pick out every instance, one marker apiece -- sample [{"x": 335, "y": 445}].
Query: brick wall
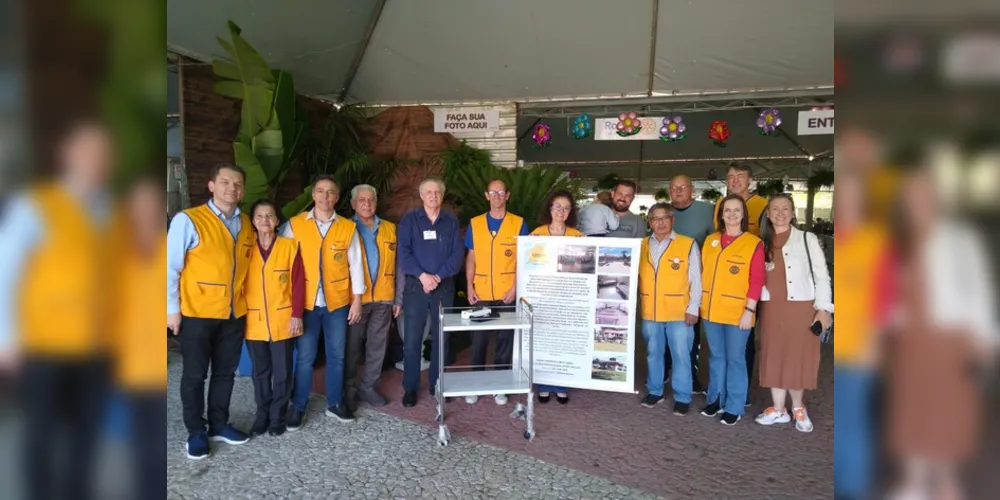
[{"x": 210, "y": 125}]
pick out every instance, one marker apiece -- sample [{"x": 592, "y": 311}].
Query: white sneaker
[
  {"x": 471, "y": 399},
  {"x": 772, "y": 416},
  {"x": 500, "y": 399},
  {"x": 802, "y": 422}
]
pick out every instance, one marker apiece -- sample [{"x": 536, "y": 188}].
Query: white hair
[
  {"x": 439, "y": 182},
  {"x": 364, "y": 187}
]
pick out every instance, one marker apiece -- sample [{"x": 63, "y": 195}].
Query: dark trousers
[
  {"x": 372, "y": 332},
  {"x": 149, "y": 444},
  {"x": 64, "y": 401},
  {"x": 215, "y": 343},
  {"x": 503, "y": 353},
  {"x": 272, "y": 378},
  {"x": 695, "y": 353},
  {"x": 417, "y": 305}
]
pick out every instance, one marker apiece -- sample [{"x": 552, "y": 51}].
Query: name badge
[{"x": 430, "y": 235}]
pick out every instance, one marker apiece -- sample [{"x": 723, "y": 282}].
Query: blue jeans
[
  {"x": 417, "y": 305},
  {"x": 334, "y": 327},
  {"x": 727, "y": 366},
  {"x": 551, "y": 388},
  {"x": 855, "y": 441},
  {"x": 680, "y": 337}
]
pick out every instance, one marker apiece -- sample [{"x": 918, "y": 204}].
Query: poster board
[{"x": 583, "y": 292}]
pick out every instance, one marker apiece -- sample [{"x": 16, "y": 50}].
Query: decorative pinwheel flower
[
  {"x": 769, "y": 121},
  {"x": 719, "y": 133},
  {"x": 673, "y": 129},
  {"x": 582, "y": 128},
  {"x": 542, "y": 135},
  {"x": 628, "y": 124}
]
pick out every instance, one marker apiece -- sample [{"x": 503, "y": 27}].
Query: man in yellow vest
[
  {"x": 208, "y": 255},
  {"x": 53, "y": 330},
  {"x": 491, "y": 273},
  {"x": 378, "y": 253},
  {"x": 332, "y": 256},
  {"x": 669, "y": 295},
  {"x": 738, "y": 179}
]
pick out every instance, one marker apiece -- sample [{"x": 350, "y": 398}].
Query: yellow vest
[
  {"x": 61, "y": 299},
  {"x": 665, "y": 291},
  {"x": 496, "y": 256},
  {"x": 269, "y": 292},
  {"x": 384, "y": 289},
  {"x": 544, "y": 231},
  {"x": 214, "y": 270},
  {"x": 330, "y": 253},
  {"x": 140, "y": 317},
  {"x": 755, "y": 206},
  {"x": 725, "y": 278},
  {"x": 858, "y": 253}
]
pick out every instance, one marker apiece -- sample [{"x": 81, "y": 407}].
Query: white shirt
[
  {"x": 354, "y": 262},
  {"x": 801, "y": 284}
]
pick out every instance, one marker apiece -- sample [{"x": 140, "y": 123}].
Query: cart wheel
[
  {"x": 529, "y": 435},
  {"x": 444, "y": 437},
  {"x": 439, "y": 418},
  {"x": 518, "y": 413}
]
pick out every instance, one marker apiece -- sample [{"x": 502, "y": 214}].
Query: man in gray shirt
[
  {"x": 630, "y": 225},
  {"x": 693, "y": 219}
]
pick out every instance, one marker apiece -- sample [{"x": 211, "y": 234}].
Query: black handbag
[{"x": 827, "y": 335}]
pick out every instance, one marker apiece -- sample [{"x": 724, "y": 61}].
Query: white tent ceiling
[{"x": 427, "y": 51}]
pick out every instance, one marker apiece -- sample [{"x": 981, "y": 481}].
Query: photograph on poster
[
  {"x": 609, "y": 367},
  {"x": 576, "y": 259},
  {"x": 614, "y": 260},
  {"x": 610, "y": 313},
  {"x": 607, "y": 338},
  {"x": 612, "y": 287}
]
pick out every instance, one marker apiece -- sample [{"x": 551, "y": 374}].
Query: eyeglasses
[
  {"x": 660, "y": 219},
  {"x": 496, "y": 192},
  {"x": 560, "y": 208}
]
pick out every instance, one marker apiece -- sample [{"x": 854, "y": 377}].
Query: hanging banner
[
  {"x": 605, "y": 129},
  {"x": 819, "y": 122},
  {"x": 466, "y": 120},
  {"x": 583, "y": 292}
]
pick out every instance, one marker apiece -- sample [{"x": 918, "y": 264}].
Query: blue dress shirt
[{"x": 432, "y": 248}]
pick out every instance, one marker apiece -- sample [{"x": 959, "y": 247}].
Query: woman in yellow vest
[
  {"x": 558, "y": 218},
  {"x": 732, "y": 279},
  {"x": 275, "y": 292}
]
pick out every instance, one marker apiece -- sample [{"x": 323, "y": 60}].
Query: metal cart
[{"x": 515, "y": 380}]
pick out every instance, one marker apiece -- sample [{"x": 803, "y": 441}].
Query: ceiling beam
[
  {"x": 359, "y": 56},
  {"x": 652, "y": 49}
]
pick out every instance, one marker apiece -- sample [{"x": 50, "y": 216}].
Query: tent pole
[
  {"x": 360, "y": 55},
  {"x": 652, "y": 49}
]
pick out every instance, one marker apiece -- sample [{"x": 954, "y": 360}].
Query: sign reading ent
[
  {"x": 466, "y": 120},
  {"x": 819, "y": 122}
]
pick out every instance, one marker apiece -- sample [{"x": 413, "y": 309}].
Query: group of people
[{"x": 235, "y": 277}]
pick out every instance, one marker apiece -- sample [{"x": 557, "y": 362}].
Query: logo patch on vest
[
  {"x": 392, "y": 246},
  {"x": 338, "y": 256},
  {"x": 675, "y": 266},
  {"x": 249, "y": 251},
  {"x": 734, "y": 270},
  {"x": 283, "y": 278},
  {"x": 508, "y": 252}
]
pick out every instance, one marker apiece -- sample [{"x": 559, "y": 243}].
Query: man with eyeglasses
[
  {"x": 693, "y": 219},
  {"x": 490, "y": 273}
]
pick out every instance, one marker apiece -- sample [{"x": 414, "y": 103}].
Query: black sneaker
[
  {"x": 276, "y": 430},
  {"x": 697, "y": 389},
  {"x": 295, "y": 420},
  {"x": 747, "y": 404},
  {"x": 730, "y": 419},
  {"x": 340, "y": 412},
  {"x": 651, "y": 400},
  {"x": 711, "y": 410},
  {"x": 259, "y": 427},
  {"x": 681, "y": 409},
  {"x": 410, "y": 399}
]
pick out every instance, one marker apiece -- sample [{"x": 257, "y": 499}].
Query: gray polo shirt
[{"x": 630, "y": 225}]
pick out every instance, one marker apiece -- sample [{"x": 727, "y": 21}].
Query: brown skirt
[{"x": 789, "y": 351}]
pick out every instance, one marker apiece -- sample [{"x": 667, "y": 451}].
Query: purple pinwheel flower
[
  {"x": 769, "y": 121},
  {"x": 673, "y": 129}
]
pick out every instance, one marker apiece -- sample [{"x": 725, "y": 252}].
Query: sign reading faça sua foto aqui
[{"x": 466, "y": 120}]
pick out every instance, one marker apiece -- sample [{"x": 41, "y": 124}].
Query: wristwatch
[{"x": 752, "y": 311}]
